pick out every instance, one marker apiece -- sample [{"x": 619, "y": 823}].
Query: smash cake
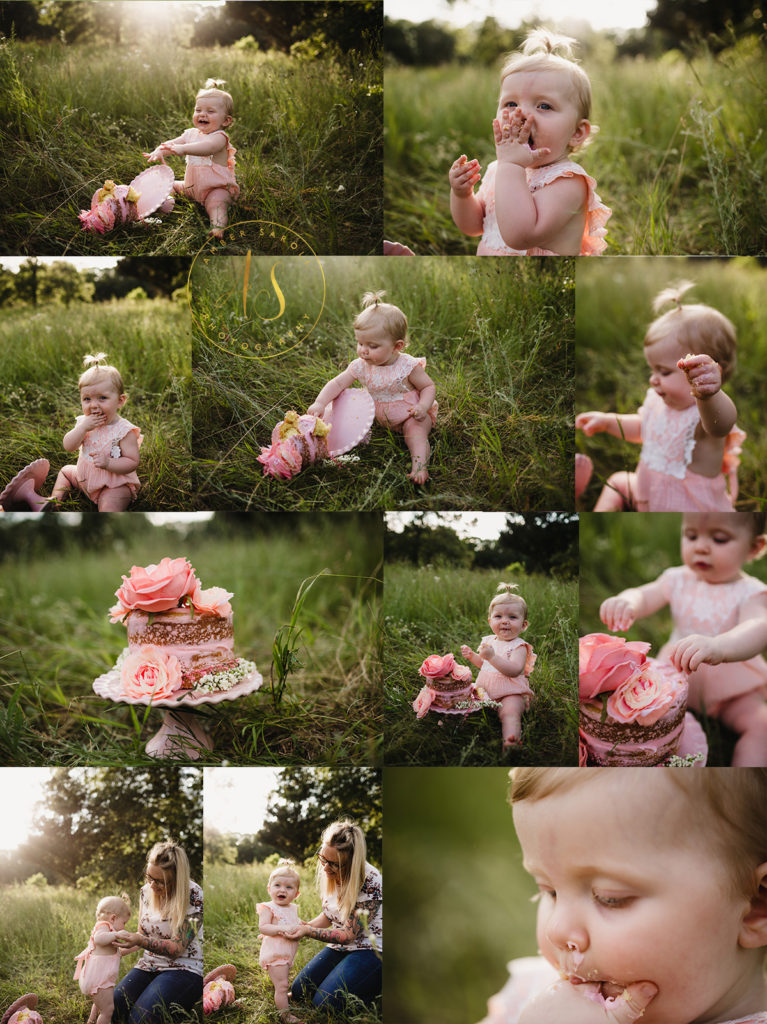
[
  {"x": 633, "y": 709},
  {"x": 449, "y": 688},
  {"x": 180, "y": 636}
]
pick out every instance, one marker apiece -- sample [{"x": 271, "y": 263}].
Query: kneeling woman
[
  {"x": 170, "y": 932},
  {"x": 350, "y": 924}
]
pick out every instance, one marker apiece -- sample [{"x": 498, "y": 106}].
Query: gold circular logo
[{"x": 259, "y": 292}]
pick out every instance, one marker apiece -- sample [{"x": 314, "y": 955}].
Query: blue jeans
[
  {"x": 332, "y": 975},
  {"x": 145, "y": 997}
]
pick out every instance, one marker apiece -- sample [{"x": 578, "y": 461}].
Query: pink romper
[
  {"x": 710, "y": 609},
  {"x": 664, "y": 483},
  {"x": 495, "y": 683},
  {"x": 597, "y": 214},
  {"x": 203, "y": 175},
  {"x": 390, "y": 389},
  {"x": 275, "y": 949},
  {"x": 96, "y": 970},
  {"x": 529, "y": 976},
  {"x": 94, "y": 480}
]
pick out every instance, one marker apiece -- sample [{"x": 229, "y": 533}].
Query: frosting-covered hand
[
  {"x": 512, "y": 139},
  {"x": 704, "y": 375},
  {"x": 565, "y": 1003},
  {"x": 694, "y": 650},
  {"x": 464, "y": 175},
  {"x": 485, "y": 650}
]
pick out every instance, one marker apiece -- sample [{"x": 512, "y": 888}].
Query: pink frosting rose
[
  {"x": 150, "y": 672},
  {"x": 422, "y": 703},
  {"x": 462, "y": 672},
  {"x": 604, "y": 662},
  {"x": 437, "y": 666},
  {"x": 645, "y": 697},
  {"x": 156, "y": 588},
  {"x": 217, "y": 993},
  {"x": 213, "y": 601}
]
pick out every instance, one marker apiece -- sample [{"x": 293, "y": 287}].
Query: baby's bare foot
[
  {"x": 288, "y": 1018},
  {"x": 418, "y": 476}
]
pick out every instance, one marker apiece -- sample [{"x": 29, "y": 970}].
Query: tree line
[{"x": 36, "y": 283}]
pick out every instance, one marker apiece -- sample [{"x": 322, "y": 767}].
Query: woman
[
  {"x": 170, "y": 932},
  {"x": 350, "y": 923}
]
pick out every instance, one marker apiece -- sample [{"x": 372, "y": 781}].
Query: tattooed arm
[
  {"x": 324, "y": 930},
  {"x": 170, "y": 948}
]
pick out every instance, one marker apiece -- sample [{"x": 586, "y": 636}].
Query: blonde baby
[
  {"x": 652, "y": 899},
  {"x": 686, "y": 425},
  {"x": 98, "y": 965},
  {"x": 398, "y": 383},
  {"x": 719, "y": 615},
  {"x": 534, "y": 199},
  {"x": 209, "y": 177},
  {"x": 275, "y": 919},
  {"x": 505, "y": 661}
]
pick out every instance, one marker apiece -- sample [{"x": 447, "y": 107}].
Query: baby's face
[
  {"x": 716, "y": 544},
  {"x": 283, "y": 889},
  {"x": 101, "y": 399},
  {"x": 120, "y": 921},
  {"x": 507, "y": 621},
  {"x": 210, "y": 114},
  {"x": 545, "y": 98},
  {"x": 668, "y": 381},
  {"x": 376, "y": 347},
  {"x": 631, "y": 891}
]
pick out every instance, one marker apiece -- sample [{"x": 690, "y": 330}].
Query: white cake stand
[{"x": 181, "y": 734}]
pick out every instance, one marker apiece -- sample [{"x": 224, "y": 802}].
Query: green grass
[
  {"x": 56, "y": 638},
  {"x": 435, "y": 609},
  {"x": 308, "y": 136},
  {"x": 681, "y": 157},
  {"x": 458, "y": 901},
  {"x": 231, "y": 936},
  {"x": 41, "y": 359},
  {"x": 620, "y": 551},
  {"x": 497, "y": 338},
  {"x": 41, "y": 932},
  {"x": 613, "y": 311}
]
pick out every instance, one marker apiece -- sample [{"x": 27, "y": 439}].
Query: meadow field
[
  {"x": 231, "y": 936},
  {"x": 497, "y": 338},
  {"x": 458, "y": 900},
  {"x": 620, "y": 551},
  {"x": 56, "y": 638},
  {"x": 41, "y": 359},
  {"x": 307, "y": 134},
  {"x": 613, "y": 311},
  {"x": 435, "y": 609},
  {"x": 680, "y": 158}
]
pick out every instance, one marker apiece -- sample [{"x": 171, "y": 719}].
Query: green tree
[{"x": 62, "y": 282}]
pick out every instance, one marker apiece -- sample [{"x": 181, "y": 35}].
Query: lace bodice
[
  {"x": 668, "y": 435},
  {"x": 195, "y": 160},
  {"x": 706, "y": 608},
  {"x": 597, "y": 214},
  {"x": 286, "y": 917},
  {"x": 505, "y": 648},
  {"x": 107, "y": 438},
  {"x": 386, "y": 383}
]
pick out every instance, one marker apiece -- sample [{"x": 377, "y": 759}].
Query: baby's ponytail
[
  {"x": 673, "y": 294},
  {"x": 506, "y": 593},
  {"x": 541, "y": 40},
  {"x": 214, "y": 83},
  {"x": 95, "y": 360},
  {"x": 372, "y": 298}
]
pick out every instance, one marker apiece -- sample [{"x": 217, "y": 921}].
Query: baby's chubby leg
[
  {"x": 619, "y": 493},
  {"x": 217, "y": 204},
  {"x": 66, "y": 481},
  {"x": 416, "y": 438},
  {"x": 279, "y": 975},
  {"x": 510, "y": 714},
  {"x": 747, "y": 715},
  {"x": 115, "y": 499},
  {"x": 104, "y": 1002}
]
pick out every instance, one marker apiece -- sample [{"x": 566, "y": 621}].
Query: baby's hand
[
  {"x": 694, "y": 650},
  {"x": 156, "y": 154},
  {"x": 417, "y": 413},
  {"x": 464, "y": 175},
  {"x": 585, "y": 1004},
  {"x": 617, "y": 613},
  {"x": 93, "y": 420},
  {"x": 485, "y": 650},
  {"x": 512, "y": 136},
  {"x": 101, "y": 460},
  {"x": 590, "y": 422},
  {"x": 467, "y": 652},
  {"x": 316, "y": 409},
  {"x": 703, "y": 374}
]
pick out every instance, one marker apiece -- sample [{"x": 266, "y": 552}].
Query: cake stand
[
  {"x": 350, "y": 417},
  {"x": 21, "y": 492},
  {"x": 181, "y": 734}
]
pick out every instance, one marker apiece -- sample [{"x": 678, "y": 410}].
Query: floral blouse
[
  {"x": 151, "y": 924},
  {"x": 370, "y": 902}
]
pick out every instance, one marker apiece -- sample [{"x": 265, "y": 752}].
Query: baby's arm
[
  {"x": 471, "y": 656},
  {"x": 332, "y": 390},
  {"x": 103, "y": 937},
  {"x": 266, "y": 923},
  {"x": 467, "y": 208},
  {"x": 128, "y": 460},
  {"x": 620, "y": 612},
  {"x": 628, "y": 427},
  {"x": 717, "y": 410},
  {"x": 424, "y": 385},
  {"x": 164, "y": 147},
  {"x": 323, "y": 930},
  {"x": 75, "y": 437},
  {"x": 206, "y": 146},
  {"x": 513, "y": 665},
  {"x": 740, "y": 643}
]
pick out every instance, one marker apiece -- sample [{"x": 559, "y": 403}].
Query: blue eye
[
  {"x": 545, "y": 106},
  {"x": 510, "y": 103}
]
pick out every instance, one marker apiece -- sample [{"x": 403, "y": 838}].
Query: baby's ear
[
  {"x": 581, "y": 133},
  {"x": 753, "y": 931},
  {"x": 399, "y": 344}
]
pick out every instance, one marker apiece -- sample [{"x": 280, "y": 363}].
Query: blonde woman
[
  {"x": 350, "y": 923},
  {"x": 170, "y": 933}
]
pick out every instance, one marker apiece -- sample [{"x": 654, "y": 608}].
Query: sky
[
  {"x": 21, "y": 789},
  {"x": 78, "y": 262},
  {"x": 235, "y": 798},
  {"x": 601, "y": 14},
  {"x": 481, "y": 525}
]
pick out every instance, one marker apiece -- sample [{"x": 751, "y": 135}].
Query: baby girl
[
  {"x": 275, "y": 918},
  {"x": 209, "y": 177},
  {"x": 534, "y": 200},
  {"x": 99, "y": 963}
]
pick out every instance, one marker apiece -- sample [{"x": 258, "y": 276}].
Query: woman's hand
[
  {"x": 565, "y": 1003},
  {"x": 463, "y": 176},
  {"x": 703, "y": 374},
  {"x": 297, "y": 933},
  {"x": 124, "y": 938},
  {"x": 694, "y": 650}
]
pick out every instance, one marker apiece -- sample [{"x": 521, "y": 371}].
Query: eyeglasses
[
  {"x": 156, "y": 883},
  {"x": 331, "y": 865}
]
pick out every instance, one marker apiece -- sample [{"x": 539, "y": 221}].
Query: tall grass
[
  {"x": 497, "y": 341},
  {"x": 613, "y": 311},
  {"x": 56, "y": 638},
  {"x": 41, "y": 359},
  {"x": 308, "y": 136},
  {"x": 681, "y": 157},
  {"x": 232, "y": 892},
  {"x": 435, "y": 609}
]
